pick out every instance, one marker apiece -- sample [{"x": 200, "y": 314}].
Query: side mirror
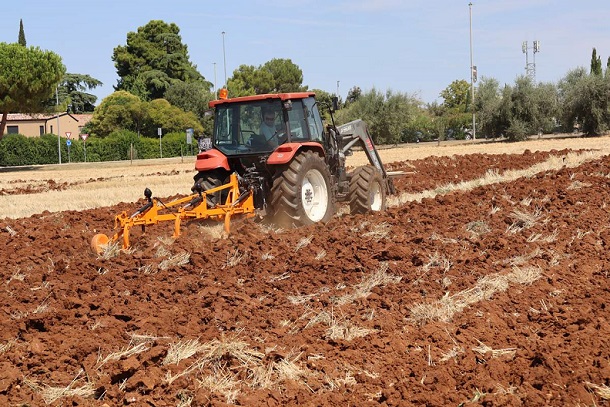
[{"x": 208, "y": 113}]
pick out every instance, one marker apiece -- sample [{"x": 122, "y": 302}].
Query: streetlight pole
[
  {"x": 472, "y": 68},
  {"x": 58, "y": 133},
  {"x": 224, "y": 57},
  {"x": 214, "y": 77}
]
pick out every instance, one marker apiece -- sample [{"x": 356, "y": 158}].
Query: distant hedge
[{"x": 16, "y": 149}]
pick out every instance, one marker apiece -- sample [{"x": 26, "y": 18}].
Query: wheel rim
[
  {"x": 376, "y": 197},
  {"x": 314, "y": 195}
]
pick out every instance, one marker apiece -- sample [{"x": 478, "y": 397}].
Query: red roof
[{"x": 83, "y": 118}]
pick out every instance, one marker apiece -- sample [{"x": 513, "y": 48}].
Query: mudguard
[
  {"x": 284, "y": 153},
  {"x": 210, "y": 160}
]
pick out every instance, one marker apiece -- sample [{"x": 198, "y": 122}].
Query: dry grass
[
  {"x": 51, "y": 394},
  {"x": 175, "y": 260},
  {"x": 363, "y": 289},
  {"x": 130, "y": 350},
  {"x": 182, "y": 350},
  {"x": 111, "y": 250},
  {"x": 602, "y": 390},
  {"x": 446, "y": 307},
  {"x": 233, "y": 259},
  {"x": 494, "y": 353}
]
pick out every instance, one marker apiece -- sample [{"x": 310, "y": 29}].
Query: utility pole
[
  {"x": 58, "y": 133},
  {"x": 224, "y": 57},
  {"x": 214, "y": 78},
  {"x": 473, "y": 72}
]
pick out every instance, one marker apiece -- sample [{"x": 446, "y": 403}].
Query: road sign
[
  {"x": 84, "y": 136},
  {"x": 68, "y": 134},
  {"x": 68, "y": 142}
]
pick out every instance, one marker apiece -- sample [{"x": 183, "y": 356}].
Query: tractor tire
[
  {"x": 212, "y": 179},
  {"x": 302, "y": 193},
  {"x": 366, "y": 190}
]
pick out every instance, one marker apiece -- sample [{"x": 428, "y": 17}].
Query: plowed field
[{"x": 485, "y": 282}]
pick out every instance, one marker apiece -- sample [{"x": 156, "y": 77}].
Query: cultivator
[{"x": 191, "y": 207}]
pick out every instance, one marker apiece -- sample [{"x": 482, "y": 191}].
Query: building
[{"x": 37, "y": 124}]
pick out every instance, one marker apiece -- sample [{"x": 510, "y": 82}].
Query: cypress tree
[
  {"x": 596, "y": 64},
  {"x": 21, "y": 34}
]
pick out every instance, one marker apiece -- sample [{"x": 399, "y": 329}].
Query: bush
[{"x": 16, "y": 149}]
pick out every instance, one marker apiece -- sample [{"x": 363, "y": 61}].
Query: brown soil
[{"x": 523, "y": 264}]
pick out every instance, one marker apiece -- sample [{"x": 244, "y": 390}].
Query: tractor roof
[{"x": 267, "y": 96}]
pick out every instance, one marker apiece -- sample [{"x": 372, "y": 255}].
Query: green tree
[
  {"x": 28, "y": 77},
  {"x": 275, "y": 76},
  {"x": 119, "y": 111},
  {"x": 387, "y": 114},
  {"x": 190, "y": 97},
  {"x": 21, "y": 40},
  {"x": 453, "y": 116},
  {"x": 125, "y": 111},
  {"x": 596, "y": 63},
  {"x": 456, "y": 95},
  {"x": 286, "y": 76},
  {"x": 487, "y": 104},
  {"x": 584, "y": 100},
  {"x": 353, "y": 95},
  {"x": 72, "y": 93},
  {"x": 154, "y": 59}
]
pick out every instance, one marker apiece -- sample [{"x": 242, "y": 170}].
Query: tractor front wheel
[
  {"x": 366, "y": 190},
  {"x": 302, "y": 193}
]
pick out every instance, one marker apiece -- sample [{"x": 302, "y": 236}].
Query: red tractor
[{"x": 293, "y": 165}]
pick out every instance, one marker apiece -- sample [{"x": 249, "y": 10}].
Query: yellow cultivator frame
[{"x": 188, "y": 208}]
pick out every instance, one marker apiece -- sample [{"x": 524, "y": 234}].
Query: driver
[{"x": 268, "y": 129}]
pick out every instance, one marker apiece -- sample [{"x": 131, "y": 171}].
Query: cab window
[{"x": 314, "y": 121}]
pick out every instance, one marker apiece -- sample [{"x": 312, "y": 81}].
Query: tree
[
  {"x": 28, "y": 77},
  {"x": 286, "y": 76},
  {"x": 275, "y": 76},
  {"x": 584, "y": 100},
  {"x": 154, "y": 59},
  {"x": 119, "y": 111},
  {"x": 387, "y": 115},
  {"x": 21, "y": 40},
  {"x": 487, "y": 104},
  {"x": 190, "y": 97},
  {"x": 72, "y": 93},
  {"x": 160, "y": 113},
  {"x": 353, "y": 95},
  {"x": 454, "y": 116},
  {"x": 596, "y": 63},
  {"x": 456, "y": 95},
  {"x": 125, "y": 111}
]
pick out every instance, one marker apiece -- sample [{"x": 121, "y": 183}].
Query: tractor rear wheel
[
  {"x": 366, "y": 190},
  {"x": 205, "y": 180},
  {"x": 302, "y": 194}
]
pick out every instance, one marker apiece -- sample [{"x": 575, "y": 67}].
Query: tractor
[
  {"x": 294, "y": 166},
  {"x": 271, "y": 155}
]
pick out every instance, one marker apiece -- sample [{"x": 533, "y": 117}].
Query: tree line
[{"x": 159, "y": 86}]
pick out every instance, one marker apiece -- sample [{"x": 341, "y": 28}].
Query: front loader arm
[{"x": 357, "y": 132}]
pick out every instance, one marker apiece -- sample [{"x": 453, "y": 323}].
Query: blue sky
[{"x": 411, "y": 46}]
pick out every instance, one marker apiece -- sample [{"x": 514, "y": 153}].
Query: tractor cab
[{"x": 257, "y": 125}]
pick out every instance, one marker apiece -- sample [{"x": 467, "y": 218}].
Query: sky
[{"x": 416, "y": 47}]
